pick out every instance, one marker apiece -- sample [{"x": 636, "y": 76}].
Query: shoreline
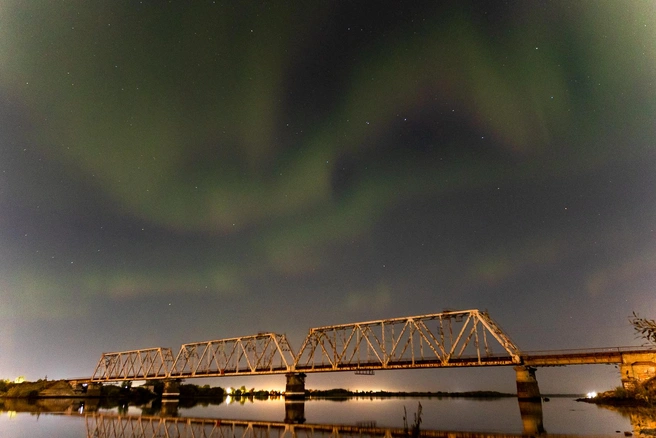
[
  {"x": 61, "y": 389},
  {"x": 617, "y": 402}
]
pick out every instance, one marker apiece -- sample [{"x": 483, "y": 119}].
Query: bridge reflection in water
[{"x": 111, "y": 425}]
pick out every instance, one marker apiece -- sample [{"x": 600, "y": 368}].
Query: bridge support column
[
  {"x": 531, "y": 412},
  {"x": 527, "y": 384},
  {"x": 169, "y": 408},
  {"x": 295, "y": 388},
  {"x": 91, "y": 405},
  {"x": 171, "y": 391}
]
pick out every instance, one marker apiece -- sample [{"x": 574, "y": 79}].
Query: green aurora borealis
[{"x": 167, "y": 169}]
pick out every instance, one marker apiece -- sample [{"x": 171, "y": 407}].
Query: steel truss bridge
[{"x": 449, "y": 339}]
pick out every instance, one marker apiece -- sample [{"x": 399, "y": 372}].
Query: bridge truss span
[
  {"x": 264, "y": 353},
  {"x": 149, "y": 363},
  {"x": 447, "y": 339}
]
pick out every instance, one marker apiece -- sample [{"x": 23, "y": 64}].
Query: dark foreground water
[{"x": 361, "y": 418}]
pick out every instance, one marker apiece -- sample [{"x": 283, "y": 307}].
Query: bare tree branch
[{"x": 644, "y": 328}]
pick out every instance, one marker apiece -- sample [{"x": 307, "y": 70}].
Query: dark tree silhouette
[{"x": 644, "y": 328}]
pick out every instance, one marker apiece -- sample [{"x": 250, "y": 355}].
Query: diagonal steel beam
[
  {"x": 452, "y": 338},
  {"x": 130, "y": 365},
  {"x": 264, "y": 353}
]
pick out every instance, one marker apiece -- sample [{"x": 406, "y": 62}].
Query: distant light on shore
[{"x": 592, "y": 394}]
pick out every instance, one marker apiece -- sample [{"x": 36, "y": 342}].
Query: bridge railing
[{"x": 581, "y": 351}]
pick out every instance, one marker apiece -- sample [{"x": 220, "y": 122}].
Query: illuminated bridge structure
[{"x": 467, "y": 338}]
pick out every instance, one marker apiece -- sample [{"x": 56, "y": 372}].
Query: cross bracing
[
  {"x": 149, "y": 363},
  {"x": 455, "y": 338},
  {"x": 264, "y": 353}
]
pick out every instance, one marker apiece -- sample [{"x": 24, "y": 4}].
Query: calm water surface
[{"x": 500, "y": 416}]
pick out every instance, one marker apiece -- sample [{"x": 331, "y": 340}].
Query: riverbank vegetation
[
  {"x": 40, "y": 388},
  {"x": 125, "y": 391},
  {"x": 643, "y": 394},
  {"x": 154, "y": 389}
]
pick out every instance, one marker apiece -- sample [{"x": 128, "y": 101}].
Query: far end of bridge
[{"x": 465, "y": 338}]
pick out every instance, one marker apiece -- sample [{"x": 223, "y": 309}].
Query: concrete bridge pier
[
  {"x": 531, "y": 412},
  {"x": 93, "y": 389},
  {"x": 91, "y": 405},
  {"x": 171, "y": 391},
  {"x": 294, "y": 411},
  {"x": 527, "y": 384},
  {"x": 169, "y": 408},
  {"x": 295, "y": 388}
]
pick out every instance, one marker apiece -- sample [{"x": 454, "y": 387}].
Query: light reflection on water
[{"x": 560, "y": 416}]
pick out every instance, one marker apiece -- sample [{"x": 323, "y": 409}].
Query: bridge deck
[
  {"x": 534, "y": 359},
  {"x": 580, "y": 357},
  {"x": 467, "y": 338},
  {"x": 323, "y": 368}
]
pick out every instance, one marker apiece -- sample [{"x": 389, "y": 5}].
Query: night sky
[{"x": 173, "y": 172}]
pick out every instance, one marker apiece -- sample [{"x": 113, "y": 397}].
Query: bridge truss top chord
[
  {"x": 264, "y": 353},
  {"x": 453, "y": 338},
  {"x": 447, "y": 339}
]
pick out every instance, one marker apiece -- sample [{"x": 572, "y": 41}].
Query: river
[{"x": 362, "y": 417}]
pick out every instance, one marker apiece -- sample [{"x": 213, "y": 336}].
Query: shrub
[{"x": 111, "y": 391}]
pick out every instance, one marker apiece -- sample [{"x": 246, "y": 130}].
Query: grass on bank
[{"x": 642, "y": 395}]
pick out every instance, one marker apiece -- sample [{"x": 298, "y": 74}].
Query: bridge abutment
[
  {"x": 295, "y": 387},
  {"x": 637, "y": 368},
  {"x": 527, "y": 384}
]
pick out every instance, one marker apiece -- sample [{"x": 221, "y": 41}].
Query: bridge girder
[
  {"x": 452, "y": 338},
  {"x": 264, "y": 353}
]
